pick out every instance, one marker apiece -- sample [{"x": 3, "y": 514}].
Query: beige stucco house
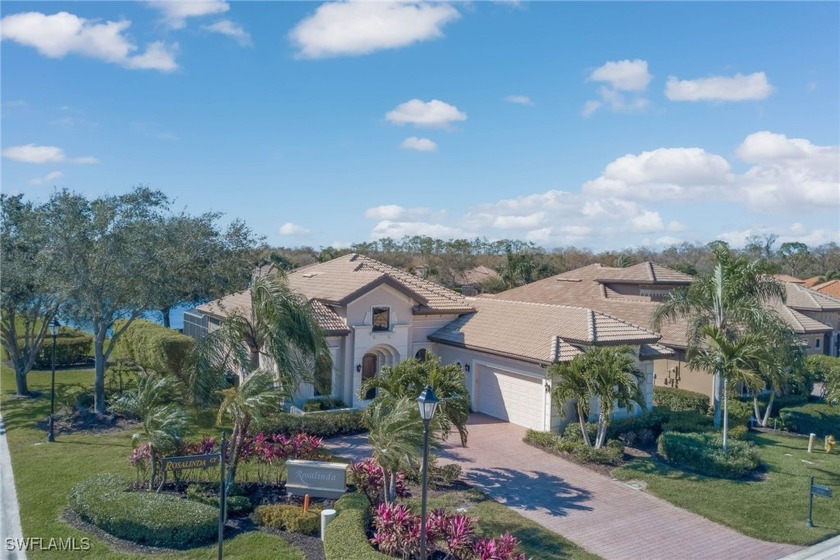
[{"x": 375, "y": 315}]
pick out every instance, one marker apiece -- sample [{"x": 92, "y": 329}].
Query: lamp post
[
  {"x": 54, "y": 326},
  {"x": 427, "y": 402}
]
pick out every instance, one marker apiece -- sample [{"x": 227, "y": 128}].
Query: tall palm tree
[
  {"x": 737, "y": 358},
  {"x": 408, "y": 379},
  {"x": 163, "y": 421},
  {"x": 396, "y": 437},
  {"x": 279, "y": 332},
  {"x": 783, "y": 355},
  {"x": 608, "y": 374},
  {"x": 733, "y": 297},
  {"x": 245, "y": 404}
]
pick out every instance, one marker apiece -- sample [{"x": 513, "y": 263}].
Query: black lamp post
[
  {"x": 54, "y": 326},
  {"x": 427, "y": 402}
]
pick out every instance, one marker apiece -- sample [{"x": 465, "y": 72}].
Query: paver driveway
[{"x": 602, "y": 515}]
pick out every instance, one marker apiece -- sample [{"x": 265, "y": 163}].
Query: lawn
[
  {"x": 495, "y": 519},
  {"x": 773, "y": 509},
  {"x": 45, "y": 473}
]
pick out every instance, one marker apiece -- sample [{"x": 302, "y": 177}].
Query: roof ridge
[
  {"x": 626, "y": 322},
  {"x": 593, "y": 334},
  {"x": 651, "y": 271}
]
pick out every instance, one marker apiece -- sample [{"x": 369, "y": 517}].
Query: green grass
[
  {"x": 45, "y": 473},
  {"x": 495, "y": 519},
  {"x": 773, "y": 509}
]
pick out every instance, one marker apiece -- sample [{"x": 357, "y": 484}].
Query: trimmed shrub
[
  {"x": 687, "y": 421},
  {"x": 74, "y": 396},
  {"x": 680, "y": 399},
  {"x": 155, "y": 347},
  {"x": 72, "y": 347},
  {"x": 739, "y": 412},
  {"x": 346, "y": 536},
  {"x": 645, "y": 427},
  {"x": 318, "y": 404},
  {"x": 611, "y": 454},
  {"x": 143, "y": 517},
  {"x": 236, "y": 505},
  {"x": 572, "y": 431},
  {"x": 703, "y": 453},
  {"x": 289, "y": 517},
  {"x": 327, "y": 424},
  {"x": 820, "y": 419}
]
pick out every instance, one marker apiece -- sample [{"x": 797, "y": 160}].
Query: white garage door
[{"x": 508, "y": 396}]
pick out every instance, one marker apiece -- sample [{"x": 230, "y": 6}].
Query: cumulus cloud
[
  {"x": 357, "y": 28},
  {"x": 396, "y": 212},
  {"x": 397, "y": 230},
  {"x": 51, "y": 176},
  {"x": 623, "y": 75},
  {"x": 668, "y": 240},
  {"x": 625, "y": 81},
  {"x": 175, "y": 13},
  {"x": 519, "y": 99},
  {"x": 434, "y": 113},
  {"x": 292, "y": 229},
  {"x": 57, "y": 35},
  {"x": 788, "y": 175},
  {"x": 739, "y": 87},
  {"x": 32, "y": 153},
  {"x": 230, "y": 29},
  {"x": 419, "y": 144}
]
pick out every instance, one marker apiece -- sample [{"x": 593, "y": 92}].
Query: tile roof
[
  {"x": 788, "y": 278},
  {"x": 652, "y": 351},
  {"x": 535, "y": 331},
  {"x": 806, "y": 299},
  {"x": 800, "y": 323},
  {"x": 830, "y": 288},
  {"x": 810, "y": 282},
  {"x": 475, "y": 275},
  {"x": 328, "y": 319},
  {"x": 582, "y": 287},
  {"x": 644, "y": 272}
]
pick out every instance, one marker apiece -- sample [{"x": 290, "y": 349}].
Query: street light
[
  {"x": 427, "y": 402},
  {"x": 54, "y": 326}
]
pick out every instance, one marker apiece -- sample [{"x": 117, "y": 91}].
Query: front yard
[{"x": 772, "y": 508}]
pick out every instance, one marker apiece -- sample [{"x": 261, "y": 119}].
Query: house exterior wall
[{"x": 676, "y": 374}]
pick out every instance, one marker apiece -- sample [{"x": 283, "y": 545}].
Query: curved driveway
[{"x": 602, "y": 515}]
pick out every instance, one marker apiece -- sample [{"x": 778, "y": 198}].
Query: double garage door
[{"x": 519, "y": 399}]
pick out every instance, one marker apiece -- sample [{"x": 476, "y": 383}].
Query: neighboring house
[
  {"x": 375, "y": 315},
  {"x": 470, "y": 281},
  {"x": 633, "y": 293},
  {"x": 829, "y": 288}
]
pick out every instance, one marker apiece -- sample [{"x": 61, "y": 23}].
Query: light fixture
[
  {"x": 467, "y": 367},
  {"x": 427, "y": 403},
  {"x": 54, "y": 327},
  {"x": 358, "y": 368}
]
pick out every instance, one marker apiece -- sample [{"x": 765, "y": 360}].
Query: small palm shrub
[
  {"x": 703, "y": 453},
  {"x": 289, "y": 517}
]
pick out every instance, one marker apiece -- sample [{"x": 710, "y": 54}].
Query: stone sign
[
  {"x": 191, "y": 462},
  {"x": 316, "y": 478}
]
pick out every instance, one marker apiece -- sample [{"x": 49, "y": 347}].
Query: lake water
[{"x": 176, "y": 318}]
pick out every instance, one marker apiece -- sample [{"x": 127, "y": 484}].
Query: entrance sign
[
  {"x": 191, "y": 462},
  {"x": 815, "y": 490},
  {"x": 820, "y": 490},
  {"x": 320, "y": 479}
]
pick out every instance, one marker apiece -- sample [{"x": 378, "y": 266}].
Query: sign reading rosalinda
[
  {"x": 316, "y": 478},
  {"x": 191, "y": 462}
]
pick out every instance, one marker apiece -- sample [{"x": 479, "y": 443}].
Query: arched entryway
[{"x": 374, "y": 360}]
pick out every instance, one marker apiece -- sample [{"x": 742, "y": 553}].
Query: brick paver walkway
[{"x": 602, "y": 515}]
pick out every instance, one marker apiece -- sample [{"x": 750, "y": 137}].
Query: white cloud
[
  {"x": 32, "y": 153},
  {"x": 357, "y": 28},
  {"x": 419, "y": 144},
  {"x": 395, "y": 212},
  {"x": 176, "y": 12},
  {"x": 676, "y": 226},
  {"x": 590, "y": 107},
  {"x": 739, "y": 87},
  {"x": 57, "y": 35},
  {"x": 292, "y": 229},
  {"x": 519, "y": 99},
  {"x": 794, "y": 232},
  {"x": 397, "y": 230},
  {"x": 527, "y": 221},
  {"x": 434, "y": 113},
  {"x": 789, "y": 175},
  {"x": 51, "y": 176},
  {"x": 232, "y": 30},
  {"x": 623, "y": 75},
  {"x": 668, "y": 240}
]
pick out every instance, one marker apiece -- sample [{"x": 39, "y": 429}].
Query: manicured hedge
[
  {"x": 289, "y": 517},
  {"x": 155, "y": 347},
  {"x": 236, "y": 505},
  {"x": 820, "y": 419},
  {"x": 317, "y": 404},
  {"x": 687, "y": 421},
  {"x": 143, "y": 517},
  {"x": 703, "y": 453},
  {"x": 680, "y": 399},
  {"x": 645, "y": 427},
  {"x": 346, "y": 536},
  {"x": 72, "y": 347},
  {"x": 321, "y": 424},
  {"x": 611, "y": 454}
]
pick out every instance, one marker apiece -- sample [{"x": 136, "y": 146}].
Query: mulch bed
[{"x": 87, "y": 422}]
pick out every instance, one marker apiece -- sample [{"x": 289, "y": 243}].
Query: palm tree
[
  {"x": 408, "y": 379},
  {"x": 608, "y": 374},
  {"x": 163, "y": 421},
  {"x": 245, "y": 404},
  {"x": 734, "y": 297},
  {"x": 396, "y": 436},
  {"x": 279, "y": 332},
  {"x": 783, "y": 355},
  {"x": 737, "y": 358}
]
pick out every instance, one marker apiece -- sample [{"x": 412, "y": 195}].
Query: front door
[{"x": 369, "y": 364}]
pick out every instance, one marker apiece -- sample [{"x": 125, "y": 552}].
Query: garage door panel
[{"x": 509, "y": 396}]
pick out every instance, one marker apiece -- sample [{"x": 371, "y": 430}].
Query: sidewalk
[{"x": 9, "y": 508}]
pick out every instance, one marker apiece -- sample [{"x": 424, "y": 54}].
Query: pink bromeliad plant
[{"x": 369, "y": 479}]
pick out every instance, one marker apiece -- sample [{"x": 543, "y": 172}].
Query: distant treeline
[{"x": 520, "y": 262}]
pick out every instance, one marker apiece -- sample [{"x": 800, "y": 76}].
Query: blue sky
[{"x": 601, "y": 125}]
